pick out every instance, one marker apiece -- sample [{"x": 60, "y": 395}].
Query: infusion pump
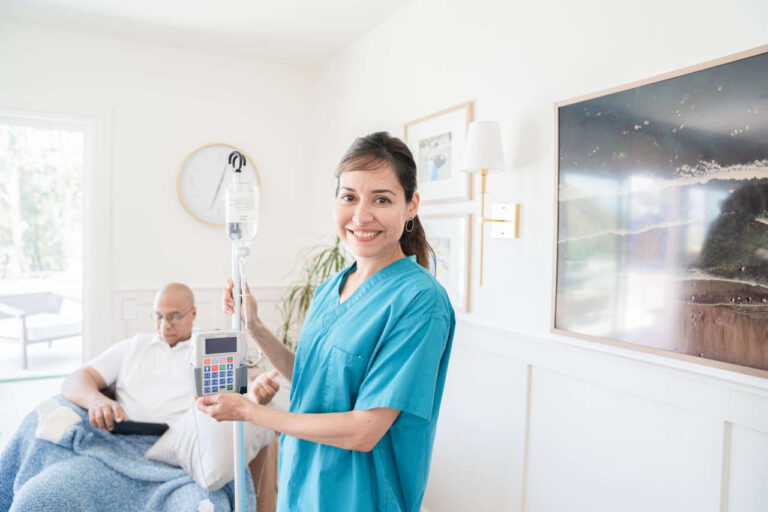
[{"x": 217, "y": 362}]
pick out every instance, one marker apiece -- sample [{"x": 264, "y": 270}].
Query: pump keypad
[{"x": 218, "y": 374}]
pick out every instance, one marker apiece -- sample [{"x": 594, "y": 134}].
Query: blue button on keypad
[
  {"x": 206, "y": 368},
  {"x": 207, "y": 390},
  {"x": 230, "y": 366},
  {"x": 229, "y": 374},
  {"x": 229, "y": 380}
]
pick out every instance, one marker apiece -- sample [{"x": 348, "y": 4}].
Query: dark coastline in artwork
[{"x": 663, "y": 215}]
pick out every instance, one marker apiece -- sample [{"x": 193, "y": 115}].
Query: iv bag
[{"x": 242, "y": 212}]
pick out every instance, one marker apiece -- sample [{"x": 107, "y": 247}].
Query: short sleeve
[
  {"x": 405, "y": 368},
  {"x": 108, "y": 362}
]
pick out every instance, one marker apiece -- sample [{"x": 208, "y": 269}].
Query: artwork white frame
[
  {"x": 449, "y": 125},
  {"x": 451, "y": 238}
]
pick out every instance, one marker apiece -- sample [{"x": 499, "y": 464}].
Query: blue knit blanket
[{"x": 96, "y": 471}]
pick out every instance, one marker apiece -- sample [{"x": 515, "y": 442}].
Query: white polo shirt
[{"x": 152, "y": 379}]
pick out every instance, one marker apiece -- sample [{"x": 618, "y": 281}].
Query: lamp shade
[{"x": 483, "y": 147}]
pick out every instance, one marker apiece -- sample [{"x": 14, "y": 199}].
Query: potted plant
[{"x": 320, "y": 263}]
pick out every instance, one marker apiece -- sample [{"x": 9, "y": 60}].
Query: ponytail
[{"x": 414, "y": 243}]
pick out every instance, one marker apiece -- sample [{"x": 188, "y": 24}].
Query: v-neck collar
[
  {"x": 370, "y": 280},
  {"x": 337, "y": 309}
]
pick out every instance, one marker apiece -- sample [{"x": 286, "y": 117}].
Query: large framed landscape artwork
[{"x": 662, "y": 215}]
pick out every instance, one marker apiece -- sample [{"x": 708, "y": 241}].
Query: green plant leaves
[{"x": 320, "y": 263}]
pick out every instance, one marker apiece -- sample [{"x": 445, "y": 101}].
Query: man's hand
[
  {"x": 102, "y": 411},
  {"x": 263, "y": 388}
]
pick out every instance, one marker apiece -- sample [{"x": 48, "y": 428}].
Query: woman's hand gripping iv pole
[
  {"x": 247, "y": 302},
  {"x": 272, "y": 348}
]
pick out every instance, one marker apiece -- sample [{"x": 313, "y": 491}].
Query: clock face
[{"x": 204, "y": 177}]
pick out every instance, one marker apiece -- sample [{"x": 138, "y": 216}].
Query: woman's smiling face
[{"x": 370, "y": 212}]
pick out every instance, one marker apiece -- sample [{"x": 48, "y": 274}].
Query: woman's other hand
[
  {"x": 226, "y": 406},
  {"x": 263, "y": 388},
  {"x": 251, "y": 307}
]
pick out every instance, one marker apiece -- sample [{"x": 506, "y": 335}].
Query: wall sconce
[{"x": 483, "y": 154}]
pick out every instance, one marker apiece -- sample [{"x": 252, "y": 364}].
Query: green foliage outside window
[{"x": 41, "y": 174}]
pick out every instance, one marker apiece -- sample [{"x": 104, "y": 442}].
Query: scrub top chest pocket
[
  {"x": 338, "y": 348},
  {"x": 344, "y": 375}
]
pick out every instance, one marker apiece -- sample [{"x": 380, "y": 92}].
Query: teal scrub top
[{"x": 387, "y": 345}]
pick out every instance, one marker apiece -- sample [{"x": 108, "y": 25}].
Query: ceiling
[{"x": 298, "y": 31}]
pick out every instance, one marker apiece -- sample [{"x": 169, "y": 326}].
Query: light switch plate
[
  {"x": 509, "y": 212},
  {"x": 129, "y": 309}
]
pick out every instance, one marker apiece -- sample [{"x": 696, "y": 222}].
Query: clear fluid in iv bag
[{"x": 242, "y": 212}]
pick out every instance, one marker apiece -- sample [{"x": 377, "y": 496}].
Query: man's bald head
[
  {"x": 176, "y": 292},
  {"x": 175, "y": 300}
]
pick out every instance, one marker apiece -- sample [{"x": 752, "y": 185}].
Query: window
[{"x": 42, "y": 167}]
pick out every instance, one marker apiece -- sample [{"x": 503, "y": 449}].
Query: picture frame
[
  {"x": 437, "y": 143},
  {"x": 657, "y": 234},
  {"x": 450, "y": 236}
]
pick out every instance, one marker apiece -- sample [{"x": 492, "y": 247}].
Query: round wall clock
[{"x": 203, "y": 178}]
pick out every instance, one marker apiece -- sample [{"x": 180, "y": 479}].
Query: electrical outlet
[
  {"x": 508, "y": 212},
  {"x": 129, "y": 309}
]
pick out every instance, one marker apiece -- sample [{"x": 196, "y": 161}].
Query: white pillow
[{"x": 178, "y": 446}]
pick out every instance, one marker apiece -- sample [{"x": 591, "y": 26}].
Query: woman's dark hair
[{"x": 373, "y": 151}]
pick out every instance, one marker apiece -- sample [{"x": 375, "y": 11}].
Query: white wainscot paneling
[
  {"x": 593, "y": 448},
  {"x": 748, "y": 491},
  {"x": 537, "y": 425},
  {"x": 479, "y": 441},
  {"x": 209, "y": 312}
]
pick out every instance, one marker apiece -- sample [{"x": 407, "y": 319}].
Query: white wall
[
  {"x": 159, "y": 104},
  {"x": 534, "y": 421}
]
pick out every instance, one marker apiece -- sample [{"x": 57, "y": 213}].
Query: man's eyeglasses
[{"x": 173, "y": 317}]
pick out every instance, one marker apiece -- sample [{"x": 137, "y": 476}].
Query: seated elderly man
[
  {"x": 57, "y": 461},
  {"x": 149, "y": 371}
]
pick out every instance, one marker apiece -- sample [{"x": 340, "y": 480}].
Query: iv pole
[
  {"x": 237, "y": 426},
  {"x": 238, "y": 284}
]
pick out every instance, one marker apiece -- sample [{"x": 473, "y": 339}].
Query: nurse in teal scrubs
[{"x": 368, "y": 375}]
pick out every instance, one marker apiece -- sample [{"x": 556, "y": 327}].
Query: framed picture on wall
[
  {"x": 437, "y": 142},
  {"x": 450, "y": 238},
  {"x": 662, "y": 214}
]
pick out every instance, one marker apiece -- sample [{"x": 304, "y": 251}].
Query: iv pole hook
[{"x": 237, "y": 161}]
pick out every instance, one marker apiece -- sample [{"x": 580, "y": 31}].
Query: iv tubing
[{"x": 244, "y": 293}]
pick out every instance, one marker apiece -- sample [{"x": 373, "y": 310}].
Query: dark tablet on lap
[{"x": 139, "y": 428}]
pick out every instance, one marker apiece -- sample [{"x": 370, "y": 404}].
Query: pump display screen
[{"x": 220, "y": 345}]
